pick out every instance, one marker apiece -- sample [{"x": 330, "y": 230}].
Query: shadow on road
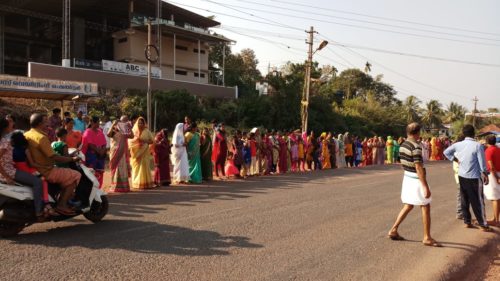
[
  {"x": 141, "y": 237},
  {"x": 135, "y": 204}
]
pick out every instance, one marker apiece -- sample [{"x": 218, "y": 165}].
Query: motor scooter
[{"x": 17, "y": 208}]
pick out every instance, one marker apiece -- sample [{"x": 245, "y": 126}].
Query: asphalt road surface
[{"x": 328, "y": 225}]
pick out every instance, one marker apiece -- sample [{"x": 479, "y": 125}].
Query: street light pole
[
  {"x": 148, "y": 98},
  {"x": 307, "y": 84},
  {"x": 307, "y": 78}
]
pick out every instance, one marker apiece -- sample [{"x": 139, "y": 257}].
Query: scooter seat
[{"x": 16, "y": 191}]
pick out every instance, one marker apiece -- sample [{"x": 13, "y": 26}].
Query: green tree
[
  {"x": 412, "y": 109},
  {"x": 454, "y": 112},
  {"x": 432, "y": 114}
]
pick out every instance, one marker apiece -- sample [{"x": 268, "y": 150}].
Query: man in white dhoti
[{"x": 415, "y": 190}]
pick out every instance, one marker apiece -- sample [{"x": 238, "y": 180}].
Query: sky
[{"x": 461, "y": 30}]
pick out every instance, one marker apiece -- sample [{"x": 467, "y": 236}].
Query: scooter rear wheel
[
  {"x": 9, "y": 229},
  {"x": 98, "y": 210}
]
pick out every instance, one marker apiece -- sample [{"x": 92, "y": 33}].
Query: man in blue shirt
[
  {"x": 472, "y": 174},
  {"x": 79, "y": 123}
]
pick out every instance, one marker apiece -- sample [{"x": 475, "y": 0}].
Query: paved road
[{"x": 329, "y": 225}]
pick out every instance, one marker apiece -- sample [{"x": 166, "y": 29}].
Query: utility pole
[
  {"x": 148, "y": 98},
  {"x": 307, "y": 82},
  {"x": 475, "y": 100}
]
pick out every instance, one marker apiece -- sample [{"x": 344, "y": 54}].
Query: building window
[
  {"x": 181, "y": 72},
  {"x": 123, "y": 40},
  {"x": 201, "y": 51},
  {"x": 179, "y": 47},
  {"x": 202, "y": 75}
]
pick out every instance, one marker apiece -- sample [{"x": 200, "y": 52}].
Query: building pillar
[
  {"x": 223, "y": 65},
  {"x": 174, "y": 55},
  {"x": 199, "y": 61},
  {"x": 2, "y": 44}
]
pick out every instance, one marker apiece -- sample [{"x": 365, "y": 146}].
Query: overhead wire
[
  {"x": 234, "y": 16},
  {"x": 343, "y": 18},
  {"x": 401, "y": 74},
  {"x": 379, "y": 17},
  {"x": 372, "y": 28}
]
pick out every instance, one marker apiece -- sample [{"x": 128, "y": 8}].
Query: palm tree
[
  {"x": 454, "y": 112},
  {"x": 432, "y": 114},
  {"x": 412, "y": 109}
]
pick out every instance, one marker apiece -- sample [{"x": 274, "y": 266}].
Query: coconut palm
[
  {"x": 412, "y": 109},
  {"x": 432, "y": 114},
  {"x": 454, "y": 112}
]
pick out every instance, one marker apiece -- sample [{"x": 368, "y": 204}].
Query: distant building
[{"x": 104, "y": 42}]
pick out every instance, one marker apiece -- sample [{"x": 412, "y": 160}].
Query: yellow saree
[{"x": 140, "y": 158}]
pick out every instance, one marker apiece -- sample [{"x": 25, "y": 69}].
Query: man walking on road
[
  {"x": 472, "y": 174},
  {"x": 415, "y": 190}
]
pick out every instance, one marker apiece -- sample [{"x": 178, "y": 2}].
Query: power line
[
  {"x": 233, "y": 16},
  {"x": 414, "y": 55},
  {"x": 369, "y": 28},
  {"x": 344, "y": 18},
  {"x": 383, "y": 18},
  {"x": 336, "y": 54},
  {"x": 402, "y": 75}
]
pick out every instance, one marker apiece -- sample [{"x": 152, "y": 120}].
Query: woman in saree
[
  {"x": 375, "y": 151},
  {"x": 434, "y": 149},
  {"x": 140, "y": 155},
  {"x": 206, "y": 155},
  {"x": 440, "y": 150},
  {"x": 310, "y": 151},
  {"x": 179, "y": 155},
  {"x": 381, "y": 151},
  {"x": 161, "y": 155},
  {"x": 283, "y": 154},
  {"x": 390, "y": 150},
  {"x": 94, "y": 149},
  {"x": 221, "y": 154},
  {"x": 325, "y": 152},
  {"x": 192, "y": 139},
  {"x": 341, "y": 159},
  {"x": 119, "y": 158}
]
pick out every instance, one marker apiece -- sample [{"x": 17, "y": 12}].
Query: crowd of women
[
  {"x": 138, "y": 159},
  {"x": 195, "y": 155}
]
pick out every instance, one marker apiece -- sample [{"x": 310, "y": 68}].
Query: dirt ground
[{"x": 493, "y": 273}]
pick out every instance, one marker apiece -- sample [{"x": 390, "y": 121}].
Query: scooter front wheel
[
  {"x": 9, "y": 229},
  {"x": 98, "y": 210}
]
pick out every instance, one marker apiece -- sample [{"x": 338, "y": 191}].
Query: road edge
[{"x": 475, "y": 266}]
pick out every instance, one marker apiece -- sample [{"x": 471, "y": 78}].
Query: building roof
[
  {"x": 117, "y": 11},
  {"x": 490, "y": 128}
]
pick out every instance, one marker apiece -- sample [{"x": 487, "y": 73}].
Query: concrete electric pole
[
  {"x": 307, "y": 78},
  {"x": 307, "y": 81},
  {"x": 475, "y": 100}
]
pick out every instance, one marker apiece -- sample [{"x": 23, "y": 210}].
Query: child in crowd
[
  {"x": 21, "y": 155},
  {"x": 60, "y": 147},
  {"x": 230, "y": 168}
]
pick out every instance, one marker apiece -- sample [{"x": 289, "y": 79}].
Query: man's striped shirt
[{"x": 410, "y": 153}]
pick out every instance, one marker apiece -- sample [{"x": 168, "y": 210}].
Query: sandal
[
  {"x": 395, "y": 237},
  {"x": 48, "y": 211},
  {"x": 486, "y": 228},
  {"x": 432, "y": 243}
]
